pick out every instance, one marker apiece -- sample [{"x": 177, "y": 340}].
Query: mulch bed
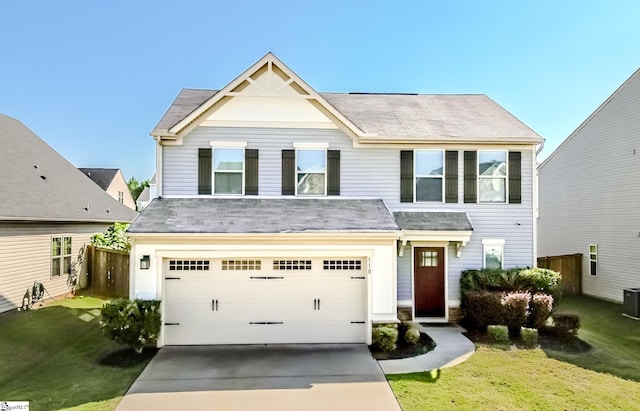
[{"x": 404, "y": 350}]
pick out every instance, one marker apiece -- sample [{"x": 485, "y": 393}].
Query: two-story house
[{"x": 285, "y": 215}]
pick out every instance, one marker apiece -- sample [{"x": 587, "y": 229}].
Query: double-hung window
[
  {"x": 311, "y": 171},
  {"x": 492, "y": 176},
  {"x": 493, "y": 253},
  {"x": 228, "y": 170},
  {"x": 429, "y": 175},
  {"x": 60, "y": 256},
  {"x": 593, "y": 260},
  {"x": 121, "y": 196}
]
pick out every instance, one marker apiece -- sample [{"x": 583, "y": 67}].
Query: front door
[{"x": 428, "y": 282}]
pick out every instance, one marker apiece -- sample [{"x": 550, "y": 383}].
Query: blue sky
[{"x": 92, "y": 78}]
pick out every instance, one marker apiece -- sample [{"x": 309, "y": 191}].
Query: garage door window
[
  {"x": 241, "y": 265},
  {"x": 342, "y": 265},
  {"x": 292, "y": 264},
  {"x": 188, "y": 265}
]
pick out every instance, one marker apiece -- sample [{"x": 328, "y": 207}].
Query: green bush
[
  {"x": 412, "y": 336},
  {"x": 533, "y": 280},
  {"x": 498, "y": 334},
  {"x": 515, "y": 311},
  {"x": 541, "y": 280},
  {"x": 385, "y": 338},
  {"x": 131, "y": 322},
  {"x": 540, "y": 308},
  {"x": 529, "y": 337},
  {"x": 481, "y": 308},
  {"x": 565, "y": 325}
]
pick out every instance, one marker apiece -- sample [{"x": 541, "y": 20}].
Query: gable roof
[
  {"x": 373, "y": 117},
  {"x": 263, "y": 216},
  {"x": 101, "y": 176},
  {"x": 39, "y": 184}
]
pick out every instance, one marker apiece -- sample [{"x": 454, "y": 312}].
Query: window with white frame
[
  {"x": 121, "y": 196},
  {"x": 60, "y": 256},
  {"x": 493, "y": 253},
  {"x": 429, "y": 175},
  {"x": 311, "y": 171},
  {"x": 593, "y": 260},
  {"x": 228, "y": 170},
  {"x": 492, "y": 176}
]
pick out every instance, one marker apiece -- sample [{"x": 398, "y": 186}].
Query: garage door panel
[{"x": 299, "y": 302}]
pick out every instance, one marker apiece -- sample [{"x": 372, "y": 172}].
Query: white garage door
[{"x": 265, "y": 301}]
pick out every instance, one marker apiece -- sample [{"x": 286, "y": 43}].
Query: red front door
[{"x": 428, "y": 282}]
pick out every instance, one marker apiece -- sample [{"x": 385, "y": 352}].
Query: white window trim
[
  {"x": 62, "y": 255},
  {"x": 228, "y": 144},
  {"x": 310, "y": 145},
  {"x": 492, "y": 242},
  {"x": 326, "y": 168},
  {"x": 593, "y": 260},
  {"x": 213, "y": 166},
  {"x": 506, "y": 178},
  {"x": 416, "y": 176}
]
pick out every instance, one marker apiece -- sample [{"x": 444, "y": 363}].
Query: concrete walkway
[
  {"x": 262, "y": 377},
  {"x": 451, "y": 348}
]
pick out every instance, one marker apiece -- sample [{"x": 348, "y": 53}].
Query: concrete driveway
[{"x": 274, "y": 377}]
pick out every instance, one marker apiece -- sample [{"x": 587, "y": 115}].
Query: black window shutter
[
  {"x": 515, "y": 177},
  {"x": 406, "y": 176},
  {"x": 451, "y": 176},
  {"x": 204, "y": 171},
  {"x": 251, "y": 172},
  {"x": 470, "y": 177},
  {"x": 333, "y": 172},
  {"x": 288, "y": 172}
]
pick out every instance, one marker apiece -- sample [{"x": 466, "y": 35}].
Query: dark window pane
[
  {"x": 428, "y": 189},
  {"x": 55, "y": 267}
]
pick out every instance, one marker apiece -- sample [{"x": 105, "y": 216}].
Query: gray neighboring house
[
  {"x": 590, "y": 192},
  {"x": 113, "y": 182},
  {"x": 48, "y": 212},
  {"x": 284, "y": 215}
]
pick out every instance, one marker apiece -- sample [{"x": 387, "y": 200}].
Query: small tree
[
  {"x": 136, "y": 187},
  {"x": 135, "y": 323},
  {"x": 113, "y": 239}
]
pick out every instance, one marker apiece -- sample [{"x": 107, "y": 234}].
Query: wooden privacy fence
[
  {"x": 570, "y": 266},
  {"x": 108, "y": 272}
]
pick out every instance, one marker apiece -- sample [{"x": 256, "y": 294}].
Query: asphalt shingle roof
[
  {"x": 390, "y": 117},
  {"x": 101, "y": 176},
  {"x": 433, "y": 221},
  {"x": 263, "y": 215},
  {"x": 39, "y": 184}
]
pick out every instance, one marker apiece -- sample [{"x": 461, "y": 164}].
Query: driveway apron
[{"x": 262, "y": 377}]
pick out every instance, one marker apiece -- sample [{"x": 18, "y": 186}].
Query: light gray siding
[
  {"x": 590, "y": 194},
  {"x": 25, "y": 257}
]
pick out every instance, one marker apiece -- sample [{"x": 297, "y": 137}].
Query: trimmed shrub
[
  {"x": 540, "y": 308},
  {"x": 541, "y": 280},
  {"x": 385, "y": 338},
  {"x": 482, "y": 308},
  {"x": 529, "y": 337},
  {"x": 412, "y": 336},
  {"x": 565, "y": 325},
  {"x": 131, "y": 322},
  {"x": 498, "y": 334},
  {"x": 515, "y": 311}
]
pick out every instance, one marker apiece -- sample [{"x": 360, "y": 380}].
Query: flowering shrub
[
  {"x": 515, "y": 311},
  {"x": 539, "y": 310},
  {"x": 481, "y": 308},
  {"x": 131, "y": 322}
]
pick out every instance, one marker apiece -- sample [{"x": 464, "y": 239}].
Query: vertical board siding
[
  {"x": 589, "y": 194},
  {"x": 25, "y": 257},
  {"x": 369, "y": 172}
]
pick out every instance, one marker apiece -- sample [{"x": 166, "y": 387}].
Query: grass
[
  {"x": 605, "y": 376},
  {"x": 57, "y": 358}
]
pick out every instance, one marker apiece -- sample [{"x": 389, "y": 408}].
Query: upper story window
[
  {"x": 429, "y": 175},
  {"x": 121, "y": 196},
  {"x": 228, "y": 170},
  {"x": 311, "y": 171},
  {"x": 492, "y": 176}
]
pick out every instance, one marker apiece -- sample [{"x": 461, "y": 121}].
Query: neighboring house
[
  {"x": 113, "y": 182},
  {"x": 48, "y": 213},
  {"x": 589, "y": 196},
  {"x": 285, "y": 215},
  {"x": 146, "y": 195}
]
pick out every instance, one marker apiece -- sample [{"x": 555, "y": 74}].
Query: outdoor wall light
[{"x": 145, "y": 262}]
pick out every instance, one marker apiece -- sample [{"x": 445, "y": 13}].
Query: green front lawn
[
  {"x": 605, "y": 376},
  {"x": 56, "y": 357}
]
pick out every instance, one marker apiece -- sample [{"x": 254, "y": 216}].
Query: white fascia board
[
  {"x": 423, "y": 235},
  {"x": 271, "y": 237}
]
